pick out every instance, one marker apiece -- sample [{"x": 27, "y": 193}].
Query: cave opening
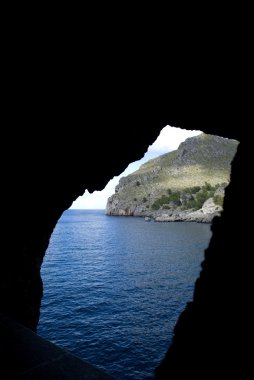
[{"x": 118, "y": 312}]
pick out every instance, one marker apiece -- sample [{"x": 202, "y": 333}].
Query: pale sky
[{"x": 168, "y": 140}]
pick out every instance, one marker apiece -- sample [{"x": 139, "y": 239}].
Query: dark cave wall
[
  {"x": 210, "y": 335},
  {"x": 64, "y": 151},
  {"x": 79, "y": 104}
]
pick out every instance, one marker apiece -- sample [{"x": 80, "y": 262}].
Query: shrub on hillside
[{"x": 218, "y": 200}]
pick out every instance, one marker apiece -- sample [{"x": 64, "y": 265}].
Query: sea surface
[{"x": 114, "y": 288}]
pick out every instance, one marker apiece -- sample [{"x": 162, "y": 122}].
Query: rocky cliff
[{"x": 186, "y": 184}]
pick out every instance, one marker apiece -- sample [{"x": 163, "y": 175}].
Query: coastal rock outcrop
[
  {"x": 183, "y": 185},
  {"x": 204, "y": 215}
]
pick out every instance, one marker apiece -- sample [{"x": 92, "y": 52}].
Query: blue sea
[{"x": 114, "y": 288}]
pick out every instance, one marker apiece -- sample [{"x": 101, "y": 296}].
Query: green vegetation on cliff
[
  {"x": 189, "y": 198},
  {"x": 198, "y": 170}
]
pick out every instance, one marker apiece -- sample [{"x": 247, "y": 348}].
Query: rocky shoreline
[{"x": 204, "y": 215}]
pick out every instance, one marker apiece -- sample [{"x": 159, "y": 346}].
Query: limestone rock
[{"x": 178, "y": 182}]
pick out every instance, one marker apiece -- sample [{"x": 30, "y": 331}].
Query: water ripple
[{"x": 114, "y": 288}]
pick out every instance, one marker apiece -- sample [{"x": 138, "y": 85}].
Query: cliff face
[{"x": 186, "y": 184}]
